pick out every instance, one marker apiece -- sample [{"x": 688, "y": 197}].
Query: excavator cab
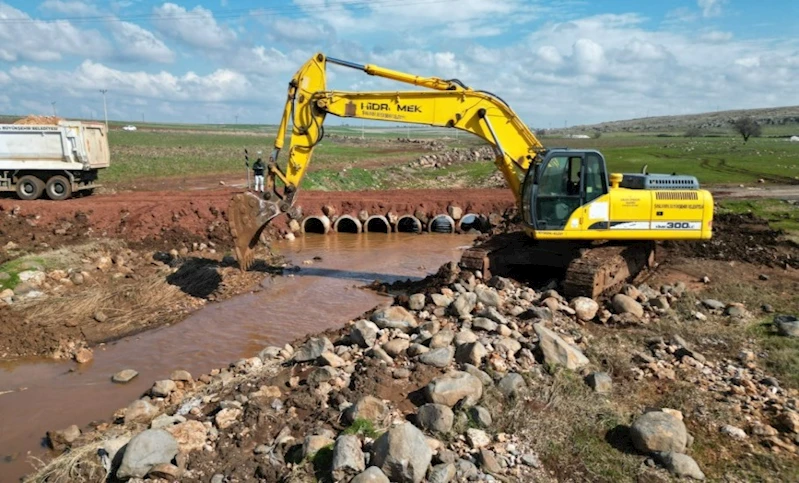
[{"x": 561, "y": 183}]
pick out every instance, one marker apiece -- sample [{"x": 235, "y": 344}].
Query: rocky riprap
[{"x": 405, "y": 393}]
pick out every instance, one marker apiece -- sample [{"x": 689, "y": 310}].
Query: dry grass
[{"x": 78, "y": 465}]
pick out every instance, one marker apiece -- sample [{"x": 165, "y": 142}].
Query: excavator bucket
[{"x": 248, "y": 215}]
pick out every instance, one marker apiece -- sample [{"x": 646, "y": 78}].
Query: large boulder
[
  {"x": 464, "y": 304},
  {"x": 394, "y": 317},
  {"x": 585, "y": 308},
  {"x": 558, "y": 351},
  {"x": 681, "y": 465},
  {"x": 364, "y": 333},
  {"x": 624, "y": 304},
  {"x": 787, "y": 325},
  {"x": 453, "y": 387},
  {"x": 145, "y": 450},
  {"x": 435, "y": 417},
  {"x": 402, "y": 454},
  {"x": 658, "y": 431},
  {"x": 368, "y": 408},
  {"x": 373, "y": 474},
  {"x": 348, "y": 458}
]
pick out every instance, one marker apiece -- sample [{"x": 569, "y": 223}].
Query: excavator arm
[{"x": 444, "y": 103}]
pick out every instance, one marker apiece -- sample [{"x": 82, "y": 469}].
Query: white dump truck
[{"x": 56, "y": 160}]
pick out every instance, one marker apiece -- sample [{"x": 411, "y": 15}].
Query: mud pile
[{"x": 41, "y": 120}]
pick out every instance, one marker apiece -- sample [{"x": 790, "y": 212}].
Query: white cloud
[
  {"x": 710, "y": 8},
  {"x": 23, "y": 38},
  {"x": 716, "y": 36},
  {"x": 136, "y": 43},
  {"x": 196, "y": 27}
]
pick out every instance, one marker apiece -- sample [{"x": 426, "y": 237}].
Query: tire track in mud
[{"x": 723, "y": 167}]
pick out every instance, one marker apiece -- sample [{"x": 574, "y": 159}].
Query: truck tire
[
  {"x": 58, "y": 188},
  {"x": 29, "y": 187}
]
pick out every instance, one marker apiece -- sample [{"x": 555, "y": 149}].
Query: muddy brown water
[{"x": 41, "y": 395}]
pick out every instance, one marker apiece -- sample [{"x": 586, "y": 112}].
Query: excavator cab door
[{"x": 560, "y": 184}]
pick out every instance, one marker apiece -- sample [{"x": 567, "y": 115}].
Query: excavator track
[{"x": 594, "y": 271}]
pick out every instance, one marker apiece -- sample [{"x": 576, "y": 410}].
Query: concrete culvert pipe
[
  {"x": 316, "y": 224},
  {"x": 471, "y": 221},
  {"x": 347, "y": 224},
  {"x": 441, "y": 224},
  {"x": 409, "y": 224},
  {"x": 377, "y": 224}
]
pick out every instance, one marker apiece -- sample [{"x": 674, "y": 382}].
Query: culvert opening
[
  {"x": 472, "y": 221},
  {"x": 314, "y": 225},
  {"x": 442, "y": 224},
  {"x": 378, "y": 224},
  {"x": 409, "y": 224},
  {"x": 347, "y": 224}
]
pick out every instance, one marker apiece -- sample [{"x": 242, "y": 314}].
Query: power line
[{"x": 231, "y": 13}]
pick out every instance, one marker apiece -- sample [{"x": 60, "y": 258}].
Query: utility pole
[
  {"x": 237, "y": 118},
  {"x": 54, "y": 112},
  {"x": 142, "y": 117},
  {"x": 105, "y": 108}
]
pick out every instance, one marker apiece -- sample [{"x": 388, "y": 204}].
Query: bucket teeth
[{"x": 247, "y": 216}]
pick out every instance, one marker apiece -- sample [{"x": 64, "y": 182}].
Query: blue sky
[{"x": 555, "y": 62}]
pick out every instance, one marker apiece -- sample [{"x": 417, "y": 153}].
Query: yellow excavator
[{"x": 600, "y": 227}]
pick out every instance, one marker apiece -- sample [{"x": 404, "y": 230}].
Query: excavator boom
[{"x": 445, "y": 103}]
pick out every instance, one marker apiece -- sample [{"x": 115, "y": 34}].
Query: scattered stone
[
  {"x": 416, "y": 301},
  {"x": 140, "y": 411},
  {"x": 369, "y": 408},
  {"x": 507, "y": 347},
  {"x": 180, "y": 376},
  {"x": 395, "y": 347},
  {"x": 348, "y": 458},
  {"x": 485, "y": 324},
  {"x": 63, "y": 438},
  {"x": 164, "y": 421},
  {"x": 657, "y": 431},
  {"x": 488, "y": 462},
  {"x": 165, "y": 471},
  {"x": 190, "y": 435},
  {"x": 435, "y": 417},
  {"x": 443, "y": 473},
  {"x": 733, "y": 432},
  {"x": 472, "y": 353},
  {"x": 681, "y": 465},
  {"x": 558, "y": 351},
  {"x": 364, "y": 333},
  {"x": 464, "y": 304},
  {"x": 477, "y": 438},
  {"x": 585, "y": 308},
  {"x": 402, "y": 453},
  {"x": 84, "y": 356},
  {"x": 767, "y": 308},
  {"x": 442, "y": 339},
  {"x": 488, "y": 296},
  {"x": 453, "y": 387},
  {"x": 624, "y": 304},
  {"x": 511, "y": 384},
  {"x": 163, "y": 388},
  {"x": 479, "y": 374},
  {"x": 77, "y": 278},
  {"x": 441, "y": 357},
  {"x": 145, "y": 450},
  {"x": 787, "y": 325},
  {"x": 480, "y": 416},
  {"x": 600, "y": 382},
  {"x": 124, "y": 376},
  {"x": 312, "y": 349},
  {"x": 332, "y": 360},
  {"x": 531, "y": 460},
  {"x": 227, "y": 417},
  {"x": 373, "y": 474},
  {"x": 713, "y": 304},
  {"x": 313, "y": 443},
  {"x": 394, "y": 317},
  {"x": 441, "y": 300}
]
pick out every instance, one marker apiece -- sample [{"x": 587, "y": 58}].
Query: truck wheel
[
  {"x": 58, "y": 188},
  {"x": 29, "y": 187}
]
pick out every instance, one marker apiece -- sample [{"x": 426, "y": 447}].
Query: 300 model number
[{"x": 677, "y": 225}]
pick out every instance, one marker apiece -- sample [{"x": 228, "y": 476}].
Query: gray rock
[
  {"x": 478, "y": 373},
  {"x": 511, "y": 384},
  {"x": 480, "y": 416},
  {"x": 180, "y": 375},
  {"x": 442, "y": 339},
  {"x": 379, "y": 353},
  {"x": 733, "y": 432},
  {"x": 787, "y": 325},
  {"x": 585, "y": 308},
  {"x": 658, "y": 431},
  {"x": 464, "y": 304},
  {"x": 534, "y": 313},
  {"x": 714, "y": 304},
  {"x": 140, "y": 411},
  {"x": 531, "y": 460},
  {"x": 145, "y": 450},
  {"x": 681, "y": 465},
  {"x": 163, "y": 388},
  {"x": 416, "y": 301},
  {"x": 218, "y": 478},
  {"x": 165, "y": 421},
  {"x": 483, "y": 323},
  {"x": 472, "y": 353},
  {"x": 453, "y": 387},
  {"x": 395, "y": 347},
  {"x": 270, "y": 352},
  {"x": 435, "y": 417},
  {"x": 315, "y": 442},
  {"x": 441, "y": 300},
  {"x": 557, "y": 351},
  {"x": 369, "y": 408},
  {"x": 493, "y": 314},
  {"x": 417, "y": 349},
  {"x": 124, "y": 376},
  {"x": 441, "y": 357},
  {"x": 488, "y": 296},
  {"x": 402, "y": 453},
  {"x": 348, "y": 458},
  {"x": 465, "y": 470},
  {"x": 477, "y": 438},
  {"x": 62, "y": 439},
  {"x": 373, "y": 474},
  {"x": 507, "y": 347},
  {"x": 624, "y": 304},
  {"x": 312, "y": 349},
  {"x": 488, "y": 462},
  {"x": 660, "y": 302},
  {"x": 394, "y": 317},
  {"x": 364, "y": 333},
  {"x": 600, "y": 382},
  {"x": 443, "y": 473},
  {"x": 465, "y": 336}
]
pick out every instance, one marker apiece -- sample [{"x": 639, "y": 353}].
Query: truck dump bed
[{"x": 70, "y": 145}]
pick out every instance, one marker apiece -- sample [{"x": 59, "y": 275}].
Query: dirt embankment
[{"x": 459, "y": 382}]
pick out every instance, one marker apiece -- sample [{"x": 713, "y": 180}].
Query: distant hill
[{"x": 784, "y": 118}]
